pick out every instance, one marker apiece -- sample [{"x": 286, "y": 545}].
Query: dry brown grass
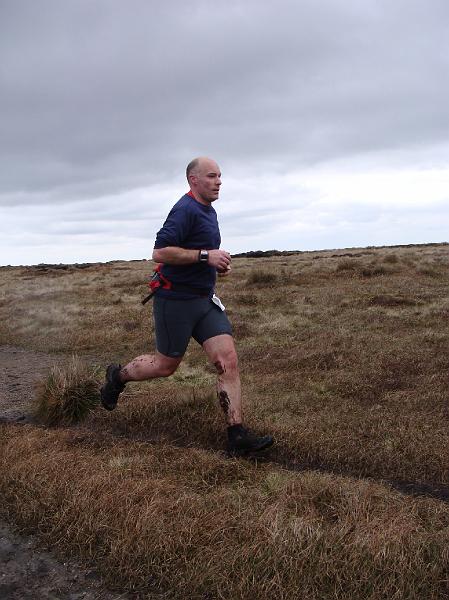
[
  {"x": 78, "y": 310},
  {"x": 346, "y": 363},
  {"x": 68, "y": 393},
  {"x": 194, "y": 525}
]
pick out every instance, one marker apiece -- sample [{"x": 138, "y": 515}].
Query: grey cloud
[
  {"x": 102, "y": 104},
  {"x": 98, "y": 97}
]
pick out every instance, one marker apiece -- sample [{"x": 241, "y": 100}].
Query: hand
[
  {"x": 224, "y": 272},
  {"x": 219, "y": 259}
]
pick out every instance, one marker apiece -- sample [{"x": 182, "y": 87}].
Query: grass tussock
[
  {"x": 375, "y": 270},
  {"x": 68, "y": 394},
  {"x": 346, "y": 265},
  {"x": 360, "y": 268},
  {"x": 262, "y": 278},
  {"x": 391, "y": 259},
  {"x": 187, "y": 523}
]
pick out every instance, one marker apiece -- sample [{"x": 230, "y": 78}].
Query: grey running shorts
[{"x": 176, "y": 321}]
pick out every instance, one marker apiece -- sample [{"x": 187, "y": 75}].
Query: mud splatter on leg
[
  {"x": 126, "y": 374},
  {"x": 148, "y": 366},
  {"x": 222, "y": 354},
  {"x": 225, "y": 403},
  {"x": 221, "y": 369},
  {"x": 230, "y": 413}
]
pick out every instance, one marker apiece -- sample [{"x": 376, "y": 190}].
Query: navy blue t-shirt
[{"x": 190, "y": 225}]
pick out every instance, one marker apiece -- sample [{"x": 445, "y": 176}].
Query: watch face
[{"x": 204, "y": 255}]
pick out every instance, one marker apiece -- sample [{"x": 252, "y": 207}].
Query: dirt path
[
  {"x": 27, "y": 572},
  {"x": 19, "y": 371}
]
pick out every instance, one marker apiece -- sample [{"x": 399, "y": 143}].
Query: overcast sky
[{"x": 328, "y": 118}]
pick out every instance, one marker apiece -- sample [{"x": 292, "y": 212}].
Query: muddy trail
[{"x": 27, "y": 570}]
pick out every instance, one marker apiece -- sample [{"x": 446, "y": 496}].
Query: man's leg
[
  {"x": 147, "y": 366},
  {"x": 220, "y": 350},
  {"x": 173, "y": 329}
]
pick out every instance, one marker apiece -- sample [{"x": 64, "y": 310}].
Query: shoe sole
[
  {"x": 249, "y": 451},
  {"x": 107, "y": 406},
  {"x": 104, "y": 403}
]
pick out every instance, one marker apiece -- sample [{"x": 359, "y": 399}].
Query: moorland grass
[
  {"x": 191, "y": 524},
  {"x": 68, "y": 393},
  {"x": 344, "y": 360}
]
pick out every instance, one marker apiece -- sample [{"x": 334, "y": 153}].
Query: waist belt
[{"x": 159, "y": 281}]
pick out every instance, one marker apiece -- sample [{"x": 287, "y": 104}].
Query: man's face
[{"x": 206, "y": 180}]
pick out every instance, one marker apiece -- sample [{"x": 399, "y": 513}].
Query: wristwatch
[{"x": 203, "y": 256}]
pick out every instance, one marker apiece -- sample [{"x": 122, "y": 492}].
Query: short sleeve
[{"x": 175, "y": 229}]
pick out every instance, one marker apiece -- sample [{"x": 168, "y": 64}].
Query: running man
[{"x": 188, "y": 246}]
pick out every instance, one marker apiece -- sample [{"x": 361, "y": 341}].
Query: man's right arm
[{"x": 173, "y": 255}]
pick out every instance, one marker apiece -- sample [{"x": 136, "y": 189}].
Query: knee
[
  {"x": 226, "y": 363},
  {"x": 167, "y": 368}
]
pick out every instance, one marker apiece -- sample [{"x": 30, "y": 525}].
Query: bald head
[
  {"x": 204, "y": 177},
  {"x": 193, "y": 164},
  {"x": 198, "y": 163}
]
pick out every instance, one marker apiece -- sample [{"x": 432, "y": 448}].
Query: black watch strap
[{"x": 203, "y": 256}]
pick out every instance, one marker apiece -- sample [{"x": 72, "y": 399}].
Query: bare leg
[
  {"x": 221, "y": 352},
  {"x": 149, "y": 366}
]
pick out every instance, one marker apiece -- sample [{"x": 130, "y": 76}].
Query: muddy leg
[
  {"x": 149, "y": 366},
  {"x": 221, "y": 351}
]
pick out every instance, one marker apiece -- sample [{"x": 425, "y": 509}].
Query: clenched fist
[
  {"x": 220, "y": 260},
  {"x": 224, "y": 272}
]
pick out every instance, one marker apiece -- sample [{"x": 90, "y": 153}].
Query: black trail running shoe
[
  {"x": 242, "y": 442},
  {"x": 112, "y": 387}
]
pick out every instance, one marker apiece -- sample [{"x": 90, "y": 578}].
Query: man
[{"x": 188, "y": 246}]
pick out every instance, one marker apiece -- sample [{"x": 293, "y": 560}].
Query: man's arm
[{"x": 172, "y": 255}]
